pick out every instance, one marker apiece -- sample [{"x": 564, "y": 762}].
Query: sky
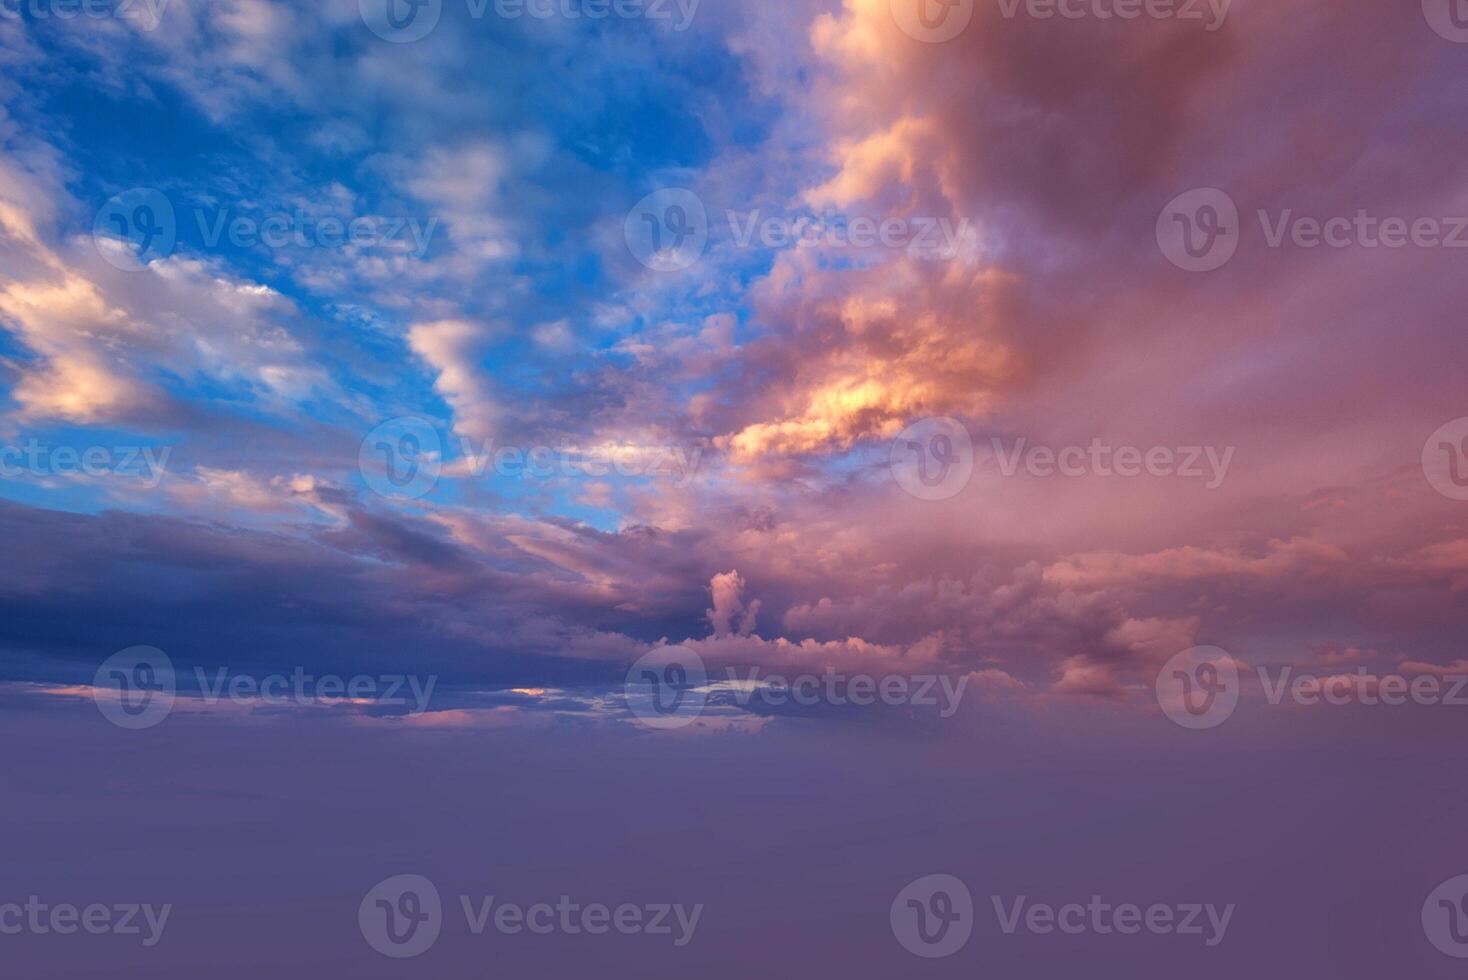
[{"x": 838, "y": 436}]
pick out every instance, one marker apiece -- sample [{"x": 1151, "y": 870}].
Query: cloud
[
  {"x": 452, "y": 348},
  {"x": 727, "y": 589}
]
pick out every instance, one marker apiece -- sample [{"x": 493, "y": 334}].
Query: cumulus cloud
[{"x": 452, "y": 348}]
